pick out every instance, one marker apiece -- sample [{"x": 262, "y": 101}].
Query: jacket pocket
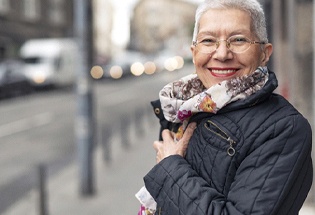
[{"x": 219, "y": 132}]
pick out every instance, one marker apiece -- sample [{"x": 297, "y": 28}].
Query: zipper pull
[{"x": 231, "y": 150}]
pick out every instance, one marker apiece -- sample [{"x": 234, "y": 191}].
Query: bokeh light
[
  {"x": 149, "y": 68},
  {"x": 137, "y": 69},
  {"x": 97, "y": 72},
  {"x": 116, "y": 72}
]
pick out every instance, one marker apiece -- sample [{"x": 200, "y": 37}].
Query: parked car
[
  {"x": 12, "y": 80},
  {"x": 50, "y": 62}
]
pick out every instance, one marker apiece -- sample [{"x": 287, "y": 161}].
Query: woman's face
[{"x": 223, "y": 64}]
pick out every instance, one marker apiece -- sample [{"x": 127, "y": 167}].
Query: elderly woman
[{"x": 240, "y": 148}]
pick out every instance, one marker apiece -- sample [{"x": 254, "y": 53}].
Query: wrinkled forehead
[{"x": 216, "y": 22}]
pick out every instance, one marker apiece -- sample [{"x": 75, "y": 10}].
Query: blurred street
[
  {"x": 38, "y": 129},
  {"x": 116, "y": 182}
]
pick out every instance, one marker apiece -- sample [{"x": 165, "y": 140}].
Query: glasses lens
[
  {"x": 206, "y": 49},
  {"x": 238, "y": 43},
  {"x": 207, "y": 44}
]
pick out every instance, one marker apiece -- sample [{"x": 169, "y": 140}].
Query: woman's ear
[{"x": 266, "y": 54}]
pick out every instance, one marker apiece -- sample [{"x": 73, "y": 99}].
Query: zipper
[
  {"x": 231, "y": 150},
  {"x": 218, "y": 131}
]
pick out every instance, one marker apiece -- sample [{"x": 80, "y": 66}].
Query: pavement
[{"x": 117, "y": 178}]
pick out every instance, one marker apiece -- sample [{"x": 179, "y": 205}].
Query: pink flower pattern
[{"x": 184, "y": 114}]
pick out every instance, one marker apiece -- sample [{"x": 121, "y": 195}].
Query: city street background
[
  {"x": 123, "y": 53},
  {"x": 45, "y": 136}
]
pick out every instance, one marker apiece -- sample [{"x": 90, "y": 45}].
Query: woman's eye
[
  {"x": 238, "y": 40},
  {"x": 208, "y": 41}
]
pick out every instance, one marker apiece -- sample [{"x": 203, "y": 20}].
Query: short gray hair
[{"x": 252, "y": 7}]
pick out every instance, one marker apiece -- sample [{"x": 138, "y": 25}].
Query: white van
[{"x": 50, "y": 62}]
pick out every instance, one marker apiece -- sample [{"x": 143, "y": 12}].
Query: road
[{"x": 38, "y": 129}]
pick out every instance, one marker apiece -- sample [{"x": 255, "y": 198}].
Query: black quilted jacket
[{"x": 253, "y": 157}]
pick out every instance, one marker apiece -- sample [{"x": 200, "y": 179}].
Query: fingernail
[{"x": 193, "y": 125}]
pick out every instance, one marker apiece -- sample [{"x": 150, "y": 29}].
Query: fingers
[
  {"x": 186, "y": 137},
  {"x": 169, "y": 147},
  {"x": 157, "y": 145},
  {"x": 167, "y": 135},
  {"x": 189, "y": 131}
]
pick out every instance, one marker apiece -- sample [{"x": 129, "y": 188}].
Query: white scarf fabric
[{"x": 187, "y": 96}]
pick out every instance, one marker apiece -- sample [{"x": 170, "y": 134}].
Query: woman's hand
[{"x": 169, "y": 147}]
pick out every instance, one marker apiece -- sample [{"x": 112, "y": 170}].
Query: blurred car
[
  {"x": 12, "y": 80},
  {"x": 50, "y": 62},
  {"x": 169, "y": 61},
  {"x": 120, "y": 66},
  {"x": 117, "y": 69}
]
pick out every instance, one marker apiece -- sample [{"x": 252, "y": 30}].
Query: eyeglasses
[{"x": 236, "y": 44}]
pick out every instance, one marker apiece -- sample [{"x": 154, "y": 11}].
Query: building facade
[
  {"x": 25, "y": 19},
  {"x": 163, "y": 24},
  {"x": 290, "y": 25},
  {"x": 102, "y": 28}
]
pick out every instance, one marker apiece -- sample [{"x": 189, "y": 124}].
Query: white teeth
[{"x": 223, "y": 71}]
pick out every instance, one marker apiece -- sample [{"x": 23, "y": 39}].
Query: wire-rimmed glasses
[{"x": 236, "y": 44}]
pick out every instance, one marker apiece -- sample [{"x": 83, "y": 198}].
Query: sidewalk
[{"x": 116, "y": 182}]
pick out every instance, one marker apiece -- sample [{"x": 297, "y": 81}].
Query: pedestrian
[{"x": 230, "y": 144}]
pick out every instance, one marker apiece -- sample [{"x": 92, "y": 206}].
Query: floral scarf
[{"x": 187, "y": 96}]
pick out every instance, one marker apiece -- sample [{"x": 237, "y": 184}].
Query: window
[
  {"x": 57, "y": 11},
  {"x": 32, "y": 9},
  {"x": 4, "y": 6}
]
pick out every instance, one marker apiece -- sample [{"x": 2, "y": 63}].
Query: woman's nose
[{"x": 222, "y": 51}]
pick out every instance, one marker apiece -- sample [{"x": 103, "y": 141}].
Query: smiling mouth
[{"x": 223, "y": 72}]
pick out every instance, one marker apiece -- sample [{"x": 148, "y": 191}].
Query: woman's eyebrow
[
  {"x": 207, "y": 33},
  {"x": 213, "y": 34}
]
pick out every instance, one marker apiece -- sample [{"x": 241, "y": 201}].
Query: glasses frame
[{"x": 228, "y": 44}]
